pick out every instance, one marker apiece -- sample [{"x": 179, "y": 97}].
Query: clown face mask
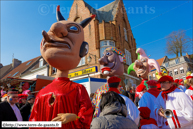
[
  {"x": 111, "y": 64},
  {"x": 141, "y": 67}
]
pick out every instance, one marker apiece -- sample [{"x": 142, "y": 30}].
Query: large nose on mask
[
  {"x": 59, "y": 29},
  {"x": 103, "y": 60},
  {"x": 138, "y": 64}
]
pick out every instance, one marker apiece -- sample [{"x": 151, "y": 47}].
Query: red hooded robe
[{"x": 70, "y": 97}]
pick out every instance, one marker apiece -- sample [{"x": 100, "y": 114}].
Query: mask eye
[
  {"x": 108, "y": 54},
  {"x": 143, "y": 60},
  {"x": 73, "y": 28},
  {"x": 136, "y": 61},
  {"x": 164, "y": 71}
]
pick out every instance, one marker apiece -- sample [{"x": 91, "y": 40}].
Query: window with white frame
[
  {"x": 82, "y": 61},
  {"x": 181, "y": 70},
  {"x": 128, "y": 57},
  {"x": 170, "y": 73},
  {"x": 175, "y": 72},
  {"x": 105, "y": 44},
  {"x": 125, "y": 33},
  {"x": 41, "y": 62}
]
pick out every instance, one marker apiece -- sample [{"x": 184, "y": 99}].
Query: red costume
[
  {"x": 69, "y": 97},
  {"x": 146, "y": 122},
  {"x": 140, "y": 88}
]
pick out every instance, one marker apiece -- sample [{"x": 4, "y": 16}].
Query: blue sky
[{"x": 23, "y": 21}]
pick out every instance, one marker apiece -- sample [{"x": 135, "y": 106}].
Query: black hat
[{"x": 30, "y": 97}]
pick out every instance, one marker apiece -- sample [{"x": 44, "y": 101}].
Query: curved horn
[
  {"x": 59, "y": 16},
  {"x": 87, "y": 20}
]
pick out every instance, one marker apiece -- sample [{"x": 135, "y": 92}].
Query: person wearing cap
[
  {"x": 181, "y": 85},
  {"x": 177, "y": 102},
  {"x": 132, "y": 111},
  {"x": 8, "y": 110},
  {"x": 148, "y": 99},
  {"x": 26, "y": 109},
  {"x": 189, "y": 91},
  {"x": 176, "y": 81},
  {"x": 22, "y": 100},
  {"x": 146, "y": 122},
  {"x": 140, "y": 90}
]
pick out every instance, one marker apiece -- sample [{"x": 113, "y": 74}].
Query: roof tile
[{"x": 21, "y": 68}]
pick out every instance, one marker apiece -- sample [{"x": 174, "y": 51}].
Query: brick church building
[{"x": 109, "y": 28}]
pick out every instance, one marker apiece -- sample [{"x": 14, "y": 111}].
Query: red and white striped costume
[
  {"x": 181, "y": 106},
  {"x": 189, "y": 92},
  {"x": 148, "y": 100}
]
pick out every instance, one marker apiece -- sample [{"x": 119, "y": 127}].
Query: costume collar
[
  {"x": 164, "y": 93},
  {"x": 62, "y": 79},
  {"x": 144, "y": 82},
  {"x": 190, "y": 88},
  {"x": 154, "y": 91},
  {"x": 114, "y": 89},
  {"x": 144, "y": 79}
]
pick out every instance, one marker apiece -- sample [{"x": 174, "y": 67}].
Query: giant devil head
[{"x": 63, "y": 45}]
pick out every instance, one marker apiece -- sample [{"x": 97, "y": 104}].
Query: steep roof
[
  {"x": 5, "y": 69},
  {"x": 161, "y": 60},
  {"x": 21, "y": 68},
  {"x": 106, "y": 13},
  {"x": 35, "y": 67}
]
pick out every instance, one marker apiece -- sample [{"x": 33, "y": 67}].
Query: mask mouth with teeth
[{"x": 143, "y": 65}]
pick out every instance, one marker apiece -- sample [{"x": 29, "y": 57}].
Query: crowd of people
[
  {"x": 114, "y": 111},
  {"x": 16, "y": 107}
]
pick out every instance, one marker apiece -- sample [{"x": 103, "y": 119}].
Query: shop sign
[{"x": 83, "y": 72}]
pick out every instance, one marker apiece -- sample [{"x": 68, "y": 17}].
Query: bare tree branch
[{"x": 177, "y": 43}]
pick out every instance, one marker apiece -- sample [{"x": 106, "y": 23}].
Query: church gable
[
  {"x": 106, "y": 13},
  {"x": 79, "y": 11}
]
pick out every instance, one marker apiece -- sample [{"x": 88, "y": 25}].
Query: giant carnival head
[
  {"x": 63, "y": 45},
  {"x": 163, "y": 72},
  {"x": 112, "y": 62},
  {"x": 143, "y": 65}
]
